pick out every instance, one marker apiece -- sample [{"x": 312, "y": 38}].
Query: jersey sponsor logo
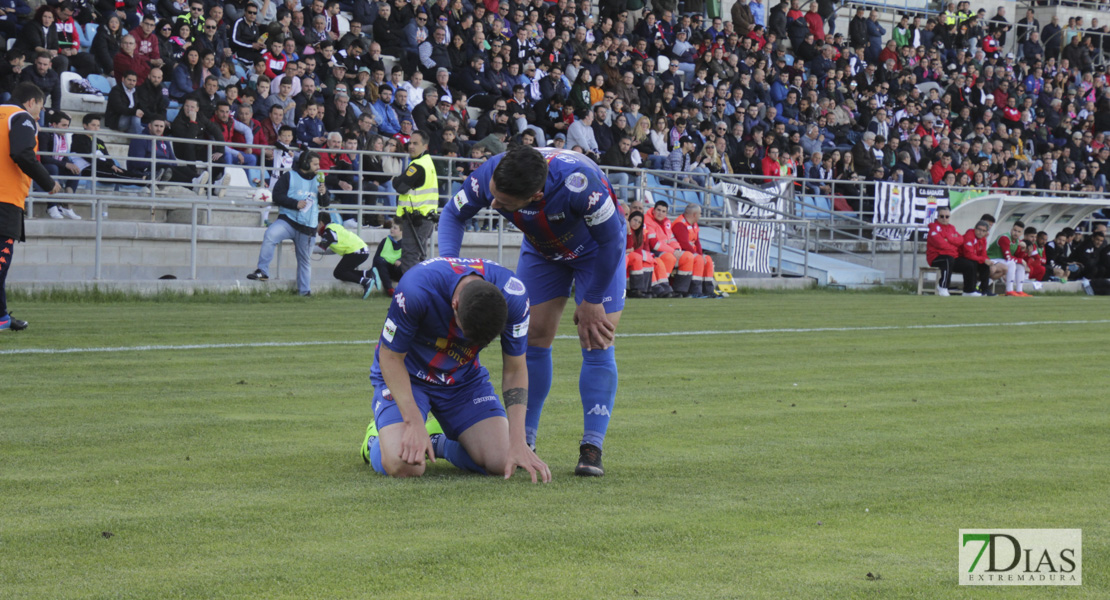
[
  {"x": 577, "y": 182},
  {"x": 599, "y": 410},
  {"x": 483, "y": 399},
  {"x": 602, "y": 214},
  {"x": 400, "y": 300},
  {"x": 514, "y": 287},
  {"x": 527, "y": 212},
  {"x": 460, "y": 200},
  {"x": 411, "y": 170},
  {"x": 521, "y": 329},
  {"x": 389, "y": 330},
  {"x": 559, "y": 216}
]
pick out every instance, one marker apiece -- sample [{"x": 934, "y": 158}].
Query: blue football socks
[
  {"x": 539, "y": 385},
  {"x": 376, "y": 455},
  {"x": 454, "y": 453},
  {"x": 597, "y": 384},
  {"x": 450, "y": 450}
]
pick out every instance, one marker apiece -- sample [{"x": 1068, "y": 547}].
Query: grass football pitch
[{"x": 831, "y": 446}]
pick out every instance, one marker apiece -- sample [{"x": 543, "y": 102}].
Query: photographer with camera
[{"x": 418, "y": 203}]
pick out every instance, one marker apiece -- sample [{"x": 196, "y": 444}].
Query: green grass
[{"x": 771, "y": 465}]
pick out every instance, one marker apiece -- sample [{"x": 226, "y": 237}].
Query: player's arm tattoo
[{"x": 516, "y": 396}]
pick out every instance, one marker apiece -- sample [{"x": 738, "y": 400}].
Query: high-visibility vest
[
  {"x": 949, "y": 18},
  {"x": 391, "y": 252},
  {"x": 424, "y": 199},
  {"x": 345, "y": 241},
  {"x": 964, "y": 16},
  {"x": 14, "y": 183},
  {"x": 692, "y": 229}
]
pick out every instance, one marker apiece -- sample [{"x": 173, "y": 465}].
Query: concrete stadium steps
[
  {"x": 64, "y": 251},
  {"x": 825, "y": 269}
]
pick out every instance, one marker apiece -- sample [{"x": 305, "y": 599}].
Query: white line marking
[{"x": 558, "y": 337}]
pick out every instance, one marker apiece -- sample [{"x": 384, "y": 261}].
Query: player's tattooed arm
[{"x": 516, "y": 396}]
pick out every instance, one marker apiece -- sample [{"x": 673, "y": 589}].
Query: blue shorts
[
  {"x": 547, "y": 280},
  {"x": 457, "y": 407}
]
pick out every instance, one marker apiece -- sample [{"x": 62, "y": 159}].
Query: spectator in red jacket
[
  {"x": 973, "y": 261},
  {"x": 771, "y": 166},
  {"x": 942, "y": 248},
  {"x": 941, "y": 167}
]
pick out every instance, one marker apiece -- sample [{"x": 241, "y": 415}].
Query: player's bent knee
[{"x": 399, "y": 469}]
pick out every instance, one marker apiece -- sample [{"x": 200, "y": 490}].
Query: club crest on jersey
[
  {"x": 515, "y": 287},
  {"x": 400, "y": 300},
  {"x": 577, "y": 182}
]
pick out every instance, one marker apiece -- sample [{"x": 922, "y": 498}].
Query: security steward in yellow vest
[
  {"x": 387, "y": 260},
  {"x": 418, "y": 202},
  {"x": 18, "y": 167},
  {"x": 337, "y": 239}
]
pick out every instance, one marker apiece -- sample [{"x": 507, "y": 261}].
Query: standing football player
[
  {"x": 443, "y": 313},
  {"x": 573, "y": 233}
]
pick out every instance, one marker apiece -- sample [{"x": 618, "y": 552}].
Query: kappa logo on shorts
[{"x": 484, "y": 399}]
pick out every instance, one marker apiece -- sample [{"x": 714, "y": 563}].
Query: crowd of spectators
[{"x": 762, "y": 91}]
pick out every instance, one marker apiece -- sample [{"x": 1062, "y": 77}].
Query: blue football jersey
[
  {"x": 421, "y": 324},
  {"x": 577, "y": 220}
]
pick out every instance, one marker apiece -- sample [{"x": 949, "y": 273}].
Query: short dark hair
[
  {"x": 26, "y": 92},
  {"x": 521, "y": 172},
  {"x": 324, "y": 218},
  {"x": 482, "y": 312},
  {"x": 56, "y": 116},
  {"x": 1020, "y": 224},
  {"x": 90, "y": 117},
  {"x": 989, "y": 218},
  {"x": 1029, "y": 230}
]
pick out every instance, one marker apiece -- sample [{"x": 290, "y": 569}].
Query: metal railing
[{"x": 807, "y": 225}]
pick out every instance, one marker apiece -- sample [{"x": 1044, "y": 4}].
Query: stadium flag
[
  {"x": 957, "y": 198},
  {"x": 905, "y": 205},
  {"x": 751, "y": 250}
]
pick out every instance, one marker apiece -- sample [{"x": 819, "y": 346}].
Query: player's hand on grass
[
  {"x": 520, "y": 455},
  {"x": 595, "y": 331},
  {"x": 415, "y": 444}
]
